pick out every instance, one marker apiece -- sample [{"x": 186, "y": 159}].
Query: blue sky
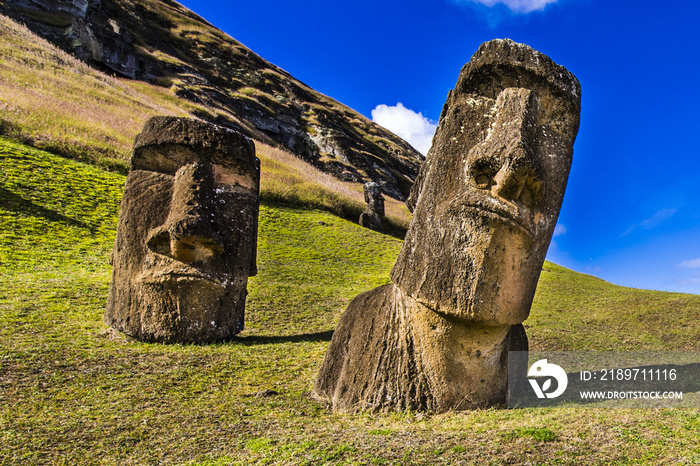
[{"x": 631, "y": 214}]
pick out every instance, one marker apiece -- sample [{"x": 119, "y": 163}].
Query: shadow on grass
[
  {"x": 18, "y": 204},
  {"x": 267, "y": 340}
]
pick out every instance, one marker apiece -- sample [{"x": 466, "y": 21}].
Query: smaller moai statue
[
  {"x": 372, "y": 217},
  {"x": 187, "y": 233}
]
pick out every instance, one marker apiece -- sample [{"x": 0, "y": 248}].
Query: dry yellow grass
[
  {"x": 287, "y": 179},
  {"x": 53, "y": 101}
]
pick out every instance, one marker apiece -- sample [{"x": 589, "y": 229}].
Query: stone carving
[
  {"x": 484, "y": 205},
  {"x": 372, "y": 217},
  {"x": 187, "y": 233}
]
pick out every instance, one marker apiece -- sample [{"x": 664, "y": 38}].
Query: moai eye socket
[
  {"x": 483, "y": 182},
  {"x": 228, "y": 177}
]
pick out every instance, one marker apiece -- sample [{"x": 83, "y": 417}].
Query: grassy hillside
[
  {"x": 53, "y": 101},
  {"x": 50, "y": 100},
  {"x": 164, "y": 43},
  {"x": 74, "y": 392}
]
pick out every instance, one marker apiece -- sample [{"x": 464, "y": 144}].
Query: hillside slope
[
  {"x": 51, "y": 100},
  {"x": 73, "y": 392},
  {"x": 162, "y": 42}
]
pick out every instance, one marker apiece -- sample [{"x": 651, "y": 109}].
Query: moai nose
[
  {"x": 189, "y": 233},
  {"x": 510, "y": 179},
  {"x": 505, "y": 159}
]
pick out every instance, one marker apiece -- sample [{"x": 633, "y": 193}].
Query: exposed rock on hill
[{"x": 165, "y": 43}]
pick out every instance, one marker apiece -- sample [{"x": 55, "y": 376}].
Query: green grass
[
  {"x": 74, "y": 392},
  {"x": 575, "y": 311}
]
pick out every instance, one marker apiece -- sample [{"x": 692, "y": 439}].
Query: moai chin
[
  {"x": 485, "y": 205},
  {"x": 187, "y": 233}
]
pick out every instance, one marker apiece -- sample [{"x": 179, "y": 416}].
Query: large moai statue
[
  {"x": 187, "y": 233},
  {"x": 484, "y": 205}
]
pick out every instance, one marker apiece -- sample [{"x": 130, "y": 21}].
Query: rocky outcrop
[
  {"x": 162, "y": 42},
  {"x": 484, "y": 209},
  {"x": 83, "y": 28}
]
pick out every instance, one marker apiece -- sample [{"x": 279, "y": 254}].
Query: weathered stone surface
[
  {"x": 372, "y": 217},
  {"x": 485, "y": 205},
  {"x": 84, "y": 28},
  {"x": 389, "y": 352},
  {"x": 374, "y": 198},
  {"x": 489, "y": 193},
  {"x": 187, "y": 233},
  {"x": 75, "y": 8},
  {"x": 105, "y": 42}
]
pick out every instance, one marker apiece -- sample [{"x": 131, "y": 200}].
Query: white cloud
[
  {"x": 559, "y": 230},
  {"x": 688, "y": 281},
  {"x": 413, "y": 127},
  {"x": 518, "y": 6},
  {"x": 690, "y": 264},
  {"x": 652, "y": 222},
  {"x": 658, "y": 218}
]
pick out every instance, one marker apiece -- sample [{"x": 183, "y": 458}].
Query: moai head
[
  {"x": 187, "y": 233},
  {"x": 487, "y": 198},
  {"x": 374, "y": 198}
]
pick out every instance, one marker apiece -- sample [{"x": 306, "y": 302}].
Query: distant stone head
[
  {"x": 373, "y": 215},
  {"x": 186, "y": 238}
]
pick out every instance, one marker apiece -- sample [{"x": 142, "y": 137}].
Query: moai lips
[
  {"x": 484, "y": 205},
  {"x": 187, "y": 234}
]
